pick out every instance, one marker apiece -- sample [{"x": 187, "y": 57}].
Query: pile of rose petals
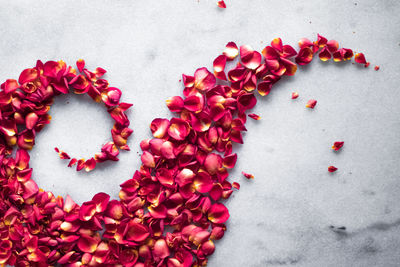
[{"x": 170, "y": 212}]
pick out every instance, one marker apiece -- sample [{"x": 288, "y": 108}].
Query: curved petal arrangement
[{"x": 170, "y": 212}]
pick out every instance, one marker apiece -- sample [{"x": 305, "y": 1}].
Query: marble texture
[{"x": 292, "y": 212}]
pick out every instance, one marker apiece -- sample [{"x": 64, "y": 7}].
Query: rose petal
[
  {"x": 254, "y": 116},
  {"x": 9, "y": 86},
  {"x": 213, "y": 163},
  {"x": 236, "y": 185},
  {"x": 219, "y": 63},
  {"x": 221, "y": 4},
  {"x": 311, "y": 103},
  {"x": 90, "y": 164},
  {"x": 304, "y": 56},
  {"x": 27, "y": 75},
  {"x": 159, "y": 127},
  {"x": 337, "y": 145},
  {"x": 87, "y": 211},
  {"x": 250, "y": 59},
  {"x": 148, "y": 159},
  {"x": 295, "y": 95},
  {"x": 248, "y": 175},
  {"x": 231, "y": 51},
  {"x": 178, "y": 129},
  {"x": 101, "y": 201},
  {"x": 175, "y": 103},
  {"x": 88, "y": 244},
  {"x": 332, "y": 169},
  {"x": 218, "y": 213},
  {"x": 204, "y": 80},
  {"x": 360, "y": 58},
  {"x": 325, "y": 55},
  {"x": 136, "y": 232},
  {"x": 80, "y": 64},
  {"x": 194, "y": 103},
  {"x": 203, "y": 182}
]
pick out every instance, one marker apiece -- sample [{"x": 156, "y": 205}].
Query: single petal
[
  {"x": 159, "y": 127},
  {"x": 311, "y": 103},
  {"x": 114, "y": 210},
  {"x": 376, "y": 68},
  {"x": 175, "y": 103},
  {"x": 304, "y": 42},
  {"x": 203, "y": 182},
  {"x": 264, "y": 88},
  {"x": 213, "y": 163},
  {"x": 88, "y": 243},
  {"x": 248, "y": 175},
  {"x": 325, "y": 55},
  {"x": 178, "y": 129},
  {"x": 230, "y": 161},
  {"x": 221, "y": 4},
  {"x": 360, "y": 58},
  {"x": 207, "y": 248},
  {"x": 332, "y": 169},
  {"x": 250, "y": 59},
  {"x": 9, "y": 86},
  {"x": 236, "y": 185},
  {"x": 101, "y": 200},
  {"x": 231, "y": 51},
  {"x": 295, "y": 95},
  {"x": 332, "y": 46},
  {"x": 80, "y": 64},
  {"x": 148, "y": 159},
  {"x": 204, "y": 80},
  {"x": 194, "y": 103},
  {"x": 99, "y": 72},
  {"x": 185, "y": 176},
  {"x": 22, "y": 159},
  {"x": 337, "y": 145},
  {"x": 270, "y": 53},
  {"x": 218, "y": 213},
  {"x": 136, "y": 232},
  {"x": 246, "y": 101},
  {"x": 159, "y": 212},
  {"x": 90, "y": 164},
  {"x": 321, "y": 41},
  {"x": 87, "y": 211},
  {"x": 305, "y": 56},
  {"x": 254, "y": 116},
  {"x": 288, "y": 51},
  {"x": 27, "y": 75},
  {"x": 291, "y": 67},
  {"x": 167, "y": 150},
  {"x": 219, "y": 63},
  {"x": 277, "y": 44}
]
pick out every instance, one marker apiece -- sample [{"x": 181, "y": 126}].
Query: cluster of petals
[{"x": 171, "y": 212}]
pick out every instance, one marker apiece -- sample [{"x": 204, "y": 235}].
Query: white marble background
[{"x": 283, "y": 216}]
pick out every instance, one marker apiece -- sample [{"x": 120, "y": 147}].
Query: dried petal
[
  {"x": 360, "y": 58},
  {"x": 248, "y": 175},
  {"x": 254, "y": 116},
  {"x": 325, "y": 55},
  {"x": 337, "y": 145},
  {"x": 332, "y": 169},
  {"x": 80, "y": 64},
  {"x": 148, "y": 159},
  {"x": 311, "y": 103},
  {"x": 204, "y": 80},
  {"x": 175, "y": 103},
  {"x": 10, "y": 86},
  {"x": 231, "y": 51},
  {"x": 236, "y": 185},
  {"x": 219, "y": 63},
  {"x": 178, "y": 129},
  {"x": 295, "y": 95},
  {"x": 304, "y": 56},
  {"x": 27, "y": 75},
  {"x": 218, "y": 213},
  {"x": 159, "y": 127},
  {"x": 221, "y": 4}
]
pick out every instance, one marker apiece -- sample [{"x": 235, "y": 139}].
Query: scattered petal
[
  {"x": 337, "y": 145},
  {"x": 248, "y": 175},
  {"x": 311, "y": 103},
  {"x": 332, "y": 169}
]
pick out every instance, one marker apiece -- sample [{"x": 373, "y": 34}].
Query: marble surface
[{"x": 291, "y": 213}]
